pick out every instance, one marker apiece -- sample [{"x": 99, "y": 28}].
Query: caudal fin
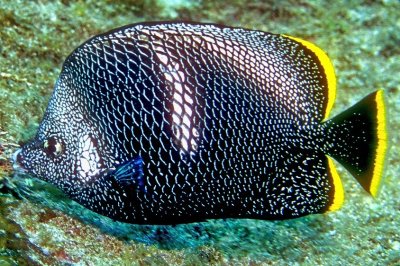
[{"x": 357, "y": 138}]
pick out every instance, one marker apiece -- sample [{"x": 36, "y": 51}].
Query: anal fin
[{"x": 337, "y": 197}]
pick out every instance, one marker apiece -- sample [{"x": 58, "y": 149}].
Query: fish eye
[{"x": 53, "y": 147}]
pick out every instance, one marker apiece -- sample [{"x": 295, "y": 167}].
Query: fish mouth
[{"x": 17, "y": 159}]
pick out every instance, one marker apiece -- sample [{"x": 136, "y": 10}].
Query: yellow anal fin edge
[
  {"x": 327, "y": 65},
  {"x": 382, "y": 138},
  {"x": 338, "y": 195}
]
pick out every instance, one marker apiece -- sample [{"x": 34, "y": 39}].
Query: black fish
[{"x": 166, "y": 123}]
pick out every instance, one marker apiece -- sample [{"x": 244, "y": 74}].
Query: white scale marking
[
  {"x": 182, "y": 121},
  {"x": 89, "y": 159}
]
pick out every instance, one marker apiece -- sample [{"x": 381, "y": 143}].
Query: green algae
[{"x": 39, "y": 225}]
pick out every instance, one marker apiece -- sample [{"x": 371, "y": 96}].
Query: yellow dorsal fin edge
[
  {"x": 379, "y": 160},
  {"x": 329, "y": 71}
]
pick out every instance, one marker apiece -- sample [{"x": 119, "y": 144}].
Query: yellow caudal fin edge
[
  {"x": 338, "y": 196},
  {"x": 379, "y": 160},
  {"x": 329, "y": 71}
]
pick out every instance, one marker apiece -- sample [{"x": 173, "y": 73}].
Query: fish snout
[{"x": 17, "y": 160}]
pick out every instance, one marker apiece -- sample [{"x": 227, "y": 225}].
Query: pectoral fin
[{"x": 129, "y": 175}]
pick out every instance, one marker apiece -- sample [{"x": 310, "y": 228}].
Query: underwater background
[{"x": 40, "y": 226}]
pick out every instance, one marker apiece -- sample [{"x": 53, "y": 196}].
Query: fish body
[{"x": 164, "y": 123}]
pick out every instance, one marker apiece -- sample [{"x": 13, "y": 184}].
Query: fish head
[{"x": 66, "y": 150}]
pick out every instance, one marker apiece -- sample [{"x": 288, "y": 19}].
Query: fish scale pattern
[{"x": 217, "y": 114}]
